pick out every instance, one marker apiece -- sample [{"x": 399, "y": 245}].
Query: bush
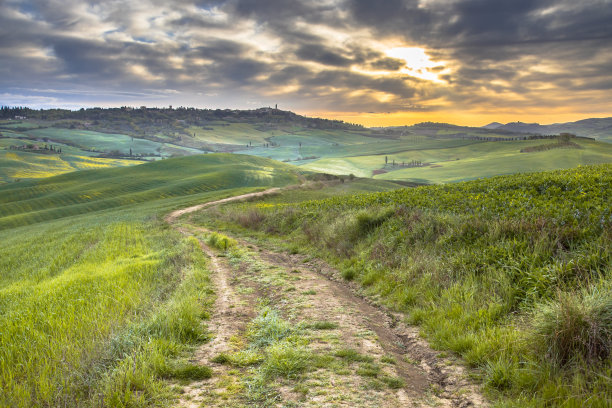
[
  {"x": 575, "y": 327},
  {"x": 250, "y": 219}
]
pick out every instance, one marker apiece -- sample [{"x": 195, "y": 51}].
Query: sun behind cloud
[{"x": 418, "y": 63}]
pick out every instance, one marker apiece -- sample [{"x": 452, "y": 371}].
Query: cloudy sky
[{"x": 385, "y": 62}]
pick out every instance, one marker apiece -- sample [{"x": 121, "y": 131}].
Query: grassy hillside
[
  {"x": 598, "y": 128},
  {"x": 513, "y": 273},
  {"x": 30, "y": 202},
  {"x": 465, "y": 161},
  {"x": 100, "y": 301}
]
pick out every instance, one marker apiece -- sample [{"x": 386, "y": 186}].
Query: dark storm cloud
[{"x": 316, "y": 53}]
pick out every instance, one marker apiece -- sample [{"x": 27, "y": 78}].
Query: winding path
[{"x": 430, "y": 380}]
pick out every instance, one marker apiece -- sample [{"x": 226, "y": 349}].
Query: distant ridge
[
  {"x": 598, "y": 128},
  {"x": 521, "y": 127},
  {"x": 493, "y": 125}
]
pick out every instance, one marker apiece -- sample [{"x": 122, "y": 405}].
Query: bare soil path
[{"x": 392, "y": 366}]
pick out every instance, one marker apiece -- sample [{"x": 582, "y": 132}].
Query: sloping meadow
[
  {"x": 101, "y": 301},
  {"x": 514, "y": 273}
]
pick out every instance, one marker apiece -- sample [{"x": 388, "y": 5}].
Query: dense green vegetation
[
  {"x": 98, "y": 315},
  {"x": 513, "y": 273},
  {"x": 100, "y": 301}
]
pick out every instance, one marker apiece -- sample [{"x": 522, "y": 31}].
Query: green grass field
[
  {"x": 103, "y": 142},
  {"x": 21, "y": 165},
  {"x": 82, "y": 192},
  {"x": 467, "y": 162},
  {"x": 512, "y": 273},
  {"x": 100, "y": 301}
]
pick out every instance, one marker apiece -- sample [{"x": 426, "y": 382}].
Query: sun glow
[{"x": 418, "y": 63}]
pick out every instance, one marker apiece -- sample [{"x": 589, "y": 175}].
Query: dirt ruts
[{"x": 316, "y": 292}]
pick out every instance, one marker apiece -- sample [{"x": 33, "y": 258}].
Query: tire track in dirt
[
  {"x": 446, "y": 376},
  {"x": 225, "y": 321},
  {"x": 230, "y": 313},
  {"x": 422, "y": 369}
]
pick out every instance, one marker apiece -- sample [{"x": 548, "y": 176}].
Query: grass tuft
[
  {"x": 191, "y": 372},
  {"x": 268, "y": 327},
  {"x": 575, "y": 327},
  {"x": 352, "y": 356},
  {"x": 220, "y": 241},
  {"x": 323, "y": 325},
  {"x": 285, "y": 359}
]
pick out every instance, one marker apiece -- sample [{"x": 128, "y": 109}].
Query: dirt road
[{"x": 360, "y": 355}]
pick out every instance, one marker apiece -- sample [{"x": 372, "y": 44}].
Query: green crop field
[
  {"x": 100, "y": 301},
  {"x": 513, "y": 273}
]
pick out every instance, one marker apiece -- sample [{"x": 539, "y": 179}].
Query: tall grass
[{"x": 58, "y": 322}]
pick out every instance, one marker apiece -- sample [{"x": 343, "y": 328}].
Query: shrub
[{"x": 250, "y": 219}]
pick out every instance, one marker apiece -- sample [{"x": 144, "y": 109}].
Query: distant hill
[
  {"x": 521, "y": 127},
  {"x": 493, "y": 125},
  {"x": 597, "y": 128}
]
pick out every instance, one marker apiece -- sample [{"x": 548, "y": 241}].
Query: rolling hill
[
  {"x": 88, "y": 191},
  {"x": 101, "y": 302},
  {"x": 423, "y": 153}
]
